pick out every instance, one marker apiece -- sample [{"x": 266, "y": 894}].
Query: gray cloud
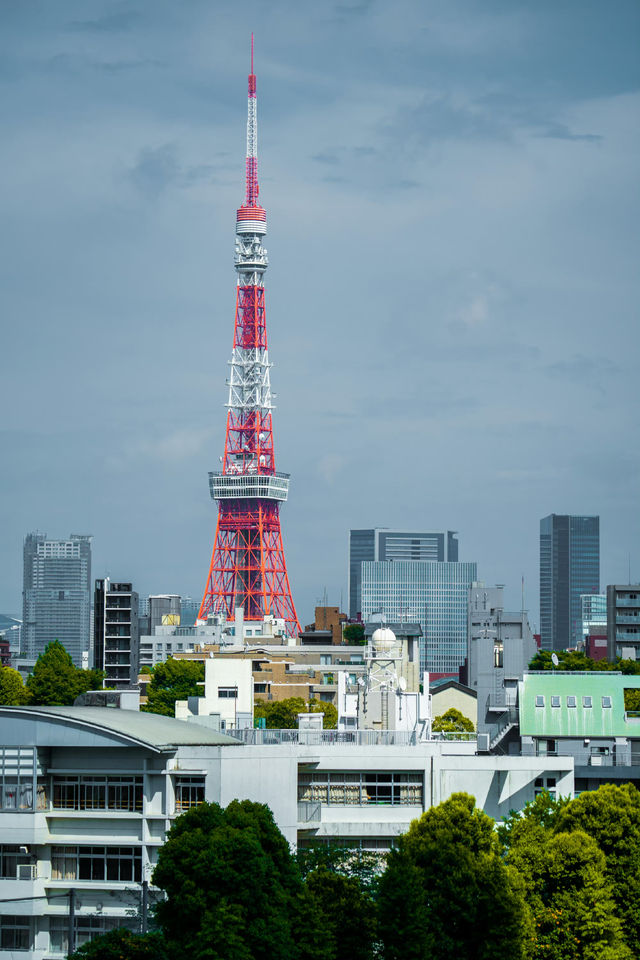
[{"x": 452, "y": 285}]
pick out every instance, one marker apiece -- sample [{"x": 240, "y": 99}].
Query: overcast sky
[{"x": 452, "y": 296}]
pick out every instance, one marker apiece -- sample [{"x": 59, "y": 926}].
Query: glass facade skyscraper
[
  {"x": 56, "y": 595},
  {"x": 569, "y": 568},
  {"x": 380, "y": 543},
  {"x": 433, "y": 594}
]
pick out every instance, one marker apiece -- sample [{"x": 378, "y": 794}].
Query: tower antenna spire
[{"x": 248, "y": 567}]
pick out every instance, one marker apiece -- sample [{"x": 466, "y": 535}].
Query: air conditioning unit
[
  {"x": 26, "y": 871},
  {"x": 483, "y": 743}
]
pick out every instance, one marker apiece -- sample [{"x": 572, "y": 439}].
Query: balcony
[
  {"x": 627, "y": 635},
  {"x": 628, "y": 602},
  {"x": 357, "y": 738}
]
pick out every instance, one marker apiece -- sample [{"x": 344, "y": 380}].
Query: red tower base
[{"x": 247, "y": 566}]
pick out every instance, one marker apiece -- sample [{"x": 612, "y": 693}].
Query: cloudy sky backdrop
[{"x": 452, "y": 191}]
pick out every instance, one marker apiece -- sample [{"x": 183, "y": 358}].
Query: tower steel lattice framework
[{"x": 248, "y": 568}]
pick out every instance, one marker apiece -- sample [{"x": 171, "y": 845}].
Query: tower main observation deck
[{"x": 248, "y": 567}]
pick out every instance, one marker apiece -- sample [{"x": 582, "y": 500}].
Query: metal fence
[{"x": 358, "y": 738}]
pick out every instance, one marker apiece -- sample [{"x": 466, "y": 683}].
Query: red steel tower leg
[{"x": 248, "y": 568}]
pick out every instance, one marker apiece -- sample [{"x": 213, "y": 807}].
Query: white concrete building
[{"x": 88, "y": 793}]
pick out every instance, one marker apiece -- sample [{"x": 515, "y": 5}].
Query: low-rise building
[
  {"x": 88, "y": 794},
  {"x": 582, "y": 715}
]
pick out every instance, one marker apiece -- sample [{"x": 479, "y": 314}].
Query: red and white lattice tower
[{"x": 248, "y": 568}]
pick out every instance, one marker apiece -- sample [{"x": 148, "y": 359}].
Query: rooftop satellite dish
[{"x": 554, "y": 659}]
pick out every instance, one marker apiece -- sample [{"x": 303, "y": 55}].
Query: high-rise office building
[
  {"x": 116, "y": 636},
  {"x": 433, "y": 594},
  {"x": 56, "y": 594},
  {"x": 569, "y": 568},
  {"x": 382, "y": 544}
]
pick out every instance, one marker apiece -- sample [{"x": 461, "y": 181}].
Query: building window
[
  {"x": 545, "y": 783},
  {"x": 572, "y": 702},
  {"x": 539, "y": 701},
  {"x": 325, "y": 659},
  {"x": 360, "y": 788},
  {"x": 259, "y": 688},
  {"x": 606, "y": 702},
  {"x": 86, "y": 929},
  {"x": 587, "y": 702},
  {"x": 15, "y": 933},
  {"x": 11, "y": 862},
  {"x": 555, "y": 701},
  {"x": 228, "y": 693},
  {"x": 189, "y": 793},
  {"x": 97, "y": 793},
  {"x": 122, "y": 864}
]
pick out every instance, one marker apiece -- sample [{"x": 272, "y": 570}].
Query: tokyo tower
[{"x": 248, "y": 568}]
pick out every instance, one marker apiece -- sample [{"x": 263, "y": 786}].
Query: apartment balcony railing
[{"x": 627, "y": 602}]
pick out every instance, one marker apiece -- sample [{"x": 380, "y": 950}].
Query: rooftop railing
[{"x": 357, "y": 738}]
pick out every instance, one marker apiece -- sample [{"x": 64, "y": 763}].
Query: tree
[
  {"x": 347, "y": 914},
  {"x": 12, "y": 689},
  {"x": 364, "y": 866},
  {"x": 283, "y": 714},
  {"x": 56, "y": 681},
  {"x": 571, "y": 902},
  {"x": 233, "y": 888},
  {"x": 122, "y": 944},
  {"x": 453, "y": 721},
  {"x": 611, "y": 816},
  {"x": 171, "y": 681},
  {"x": 446, "y": 892},
  {"x": 354, "y": 633}
]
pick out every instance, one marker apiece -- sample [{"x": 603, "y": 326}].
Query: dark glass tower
[{"x": 569, "y": 567}]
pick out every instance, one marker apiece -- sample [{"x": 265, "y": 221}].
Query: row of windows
[
  {"x": 394, "y": 789},
  {"x": 587, "y": 702},
  {"x": 15, "y": 933},
  {"x": 97, "y": 793},
  {"x": 96, "y": 863}
]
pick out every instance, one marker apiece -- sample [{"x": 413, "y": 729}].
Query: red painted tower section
[{"x": 248, "y": 567}]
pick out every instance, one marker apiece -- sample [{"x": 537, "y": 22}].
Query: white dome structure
[{"x": 383, "y": 640}]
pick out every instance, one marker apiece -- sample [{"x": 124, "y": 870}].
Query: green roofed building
[{"x": 582, "y": 715}]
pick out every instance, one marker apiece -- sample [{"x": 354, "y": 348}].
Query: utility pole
[
  {"x": 145, "y": 904},
  {"x": 72, "y": 921}
]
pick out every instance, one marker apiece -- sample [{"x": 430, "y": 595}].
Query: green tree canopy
[
  {"x": 453, "y": 721},
  {"x": 56, "y": 681},
  {"x": 12, "y": 690},
  {"x": 611, "y": 816},
  {"x": 347, "y": 914},
  {"x": 233, "y": 888},
  {"x": 283, "y": 714},
  {"x": 447, "y": 893},
  {"x": 171, "y": 681},
  {"x": 354, "y": 633},
  {"x": 121, "y": 944}
]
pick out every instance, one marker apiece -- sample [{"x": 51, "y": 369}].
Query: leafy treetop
[
  {"x": 56, "y": 681},
  {"x": 453, "y": 721},
  {"x": 283, "y": 714},
  {"x": 171, "y": 681}
]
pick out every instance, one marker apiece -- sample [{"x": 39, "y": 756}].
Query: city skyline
[{"x": 497, "y": 149}]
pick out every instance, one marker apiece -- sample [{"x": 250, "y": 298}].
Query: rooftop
[{"x": 145, "y": 729}]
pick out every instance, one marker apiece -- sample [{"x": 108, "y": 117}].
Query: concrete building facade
[
  {"x": 116, "y": 639},
  {"x": 623, "y": 621}
]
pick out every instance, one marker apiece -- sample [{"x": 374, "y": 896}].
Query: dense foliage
[
  {"x": 171, "y": 681},
  {"x": 453, "y": 721},
  {"x": 576, "y": 660},
  {"x": 560, "y": 880},
  {"x": 55, "y": 680},
  {"x": 283, "y": 714},
  {"x": 354, "y": 633}
]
